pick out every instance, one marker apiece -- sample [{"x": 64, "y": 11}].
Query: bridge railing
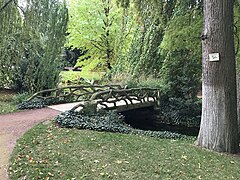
[
  {"x": 71, "y": 93},
  {"x": 113, "y": 98}
]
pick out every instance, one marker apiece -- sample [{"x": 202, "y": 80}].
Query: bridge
[{"x": 98, "y": 97}]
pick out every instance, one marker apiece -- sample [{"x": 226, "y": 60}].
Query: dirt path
[{"x": 13, "y": 126}]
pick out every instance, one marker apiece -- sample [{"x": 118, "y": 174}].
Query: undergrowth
[{"x": 107, "y": 121}]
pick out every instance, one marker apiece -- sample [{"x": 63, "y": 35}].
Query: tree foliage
[
  {"x": 32, "y": 44},
  {"x": 10, "y": 25},
  {"x": 101, "y": 28},
  {"x": 167, "y": 45},
  {"x": 237, "y": 31}
]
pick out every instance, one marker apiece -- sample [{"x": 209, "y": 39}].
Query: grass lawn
[
  {"x": 7, "y": 103},
  {"x": 76, "y": 75},
  {"x": 49, "y": 152}
]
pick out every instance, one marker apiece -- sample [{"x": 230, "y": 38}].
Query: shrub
[
  {"x": 126, "y": 79},
  {"x": 33, "y": 104},
  {"x": 20, "y": 97},
  {"x": 31, "y": 47},
  {"x": 40, "y": 103},
  {"x": 180, "y": 75},
  {"x": 180, "y": 82},
  {"x": 179, "y": 111},
  {"x": 178, "y": 102},
  {"x": 143, "y": 81}
]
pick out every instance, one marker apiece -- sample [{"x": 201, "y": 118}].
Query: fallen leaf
[
  {"x": 50, "y": 174},
  {"x": 184, "y": 157},
  {"x": 118, "y": 162},
  {"x": 96, "y": 161}
]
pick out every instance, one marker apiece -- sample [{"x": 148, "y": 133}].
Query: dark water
[{"x": 148, "y": 119}]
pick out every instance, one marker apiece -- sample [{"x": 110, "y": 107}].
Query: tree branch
[
  {"x": 97, "y": 46},
  {"x": 5, "y": 5},
  {"x": 21, "y": 9}
]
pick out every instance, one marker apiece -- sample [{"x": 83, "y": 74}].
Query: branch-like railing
[
  {"x": 115, "y": 98},
  {"x": 72, "y": 93},
  {"x": 94, "y": 97}
]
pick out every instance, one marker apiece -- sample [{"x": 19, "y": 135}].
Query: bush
[
  {"x": 125, "y": 79},
  {"x": 40, "y": 103},
  {"x": 20, "y": 97},
  {"x": 180, "y": 75},
  {"x": 108, "y": 121},
  {"x": 178, "y": 102},
  {"x": 33, "y": 104},
  {"x": 31, "y": 47},
  {"x": 142, "y": 81},
  {"x": 179, "y": 111}
]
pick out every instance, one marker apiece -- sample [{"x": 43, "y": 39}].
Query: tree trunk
[
  {"x": 238, "y": 101},
  {"x": 219, "y": 125},
  {"x": 238, "y": 88}
]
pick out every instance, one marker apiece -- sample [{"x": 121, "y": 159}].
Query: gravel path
[{"x": 13, "y": 126}]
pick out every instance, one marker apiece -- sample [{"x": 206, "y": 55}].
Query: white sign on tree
[{"x": 214, "y": 57}]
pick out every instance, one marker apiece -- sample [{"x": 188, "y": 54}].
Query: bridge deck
[{"x": 64, "y": 107}]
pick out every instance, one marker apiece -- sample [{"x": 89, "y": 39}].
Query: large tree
[
  {"x": 100, "y": 27},
  {"x": 219, "y": 127},
  {"x": 32, "y": 36}
]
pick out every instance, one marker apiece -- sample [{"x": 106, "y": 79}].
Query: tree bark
[
  {"x": 219, "y": 125},
  {"x": 238, "y": 88},
  {"x": 238, "y": 102}
]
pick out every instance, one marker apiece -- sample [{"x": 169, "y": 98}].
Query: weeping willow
[
  {"x": 34, "y": 36},
  {"x": 237, "y": 31},
  {"x": 144, "y": 55},
  {"x": 10, "y": 30},
  {"x": 153, "y": 19},
  {"x": 44, "y": 31},
  {"x": 159, "y": 7}
]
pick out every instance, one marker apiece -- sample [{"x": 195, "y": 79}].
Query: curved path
[{"x": 13, "y": 126}]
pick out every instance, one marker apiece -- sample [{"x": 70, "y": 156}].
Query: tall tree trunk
[
  {"x": 238, "y": 101},
  {"x": 219, "y": 126},
  {"x": 238, "y": 84}
]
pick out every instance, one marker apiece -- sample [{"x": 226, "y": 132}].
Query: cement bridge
[{"x": 98, "y": 97}]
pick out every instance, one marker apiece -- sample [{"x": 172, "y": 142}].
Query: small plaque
[{"x": 214, "y": 57}]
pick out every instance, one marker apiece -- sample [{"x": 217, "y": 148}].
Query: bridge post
[
  {"x": 158, "y": 98},
  {"x": 90, "y": 107}
]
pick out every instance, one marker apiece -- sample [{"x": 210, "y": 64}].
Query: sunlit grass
[
  {"x": 76, "y": 75},
  {"x": 47, "y": 151}
]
